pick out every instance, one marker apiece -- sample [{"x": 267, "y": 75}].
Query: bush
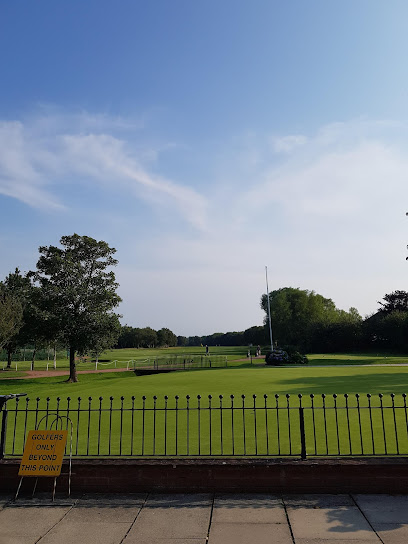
[
  {"x": 276, "y": 357},
  {"x": 285, "y": 356}
]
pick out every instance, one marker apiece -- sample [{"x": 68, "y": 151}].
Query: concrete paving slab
[
  {"x": 176, "y": 500},
  {"x": 113, "y": 498},
  {"x": 15, "y": 539},
  {"x": 176, "y": 541},
  {"x": 351, "y": 540},
  {"x": 337, "y": 523},
  {"x": 392, "y": 533},
  {"x": 249, "y": 533},
  {"x": 30, "y": 522},
  {"x": 45, "y": 501},
  {"x": 318, "y": 501},
  {"x": 171, "y": 517},
  {"x": 89, "y": 533},
  {"x": 103, "y": 514},
  {"x": 384, "y": 508},
  {"x": 248, "y": 508}
]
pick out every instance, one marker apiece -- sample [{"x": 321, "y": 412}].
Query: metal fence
[
  {"x": 158, "y": 363},
  {"x": 213, "y": 426}
]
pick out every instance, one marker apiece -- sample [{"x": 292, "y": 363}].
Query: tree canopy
[{"x": 395, "y": 301}]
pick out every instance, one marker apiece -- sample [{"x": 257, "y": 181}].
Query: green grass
[
  {"x": 159, "y": 435},
  {"x": 236, "y": 357},
  {"x": 356, "y": 359},
  {"x": 123, "y": 358},
  {"x": 149, "y": 432},
  {"x": 237, "y": 381}
]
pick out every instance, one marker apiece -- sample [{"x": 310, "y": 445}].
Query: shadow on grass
[{"x": 381, "y": 382}]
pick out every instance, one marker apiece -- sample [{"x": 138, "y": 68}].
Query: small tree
[
  {"x": 18, "y": 288},
  {"x": 11, "y": 315},
  {"x": 79, "y": 293}
]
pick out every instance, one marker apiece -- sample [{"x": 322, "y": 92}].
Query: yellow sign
[{"x": 43, "y": 453}]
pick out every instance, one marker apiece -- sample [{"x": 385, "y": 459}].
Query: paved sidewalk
[{"x": 205, "y": 518}]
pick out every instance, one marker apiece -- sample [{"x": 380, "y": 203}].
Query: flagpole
[{"x": 269, "y": 307}]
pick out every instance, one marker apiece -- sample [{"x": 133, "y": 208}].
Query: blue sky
[{"x": 207, "y": 139}]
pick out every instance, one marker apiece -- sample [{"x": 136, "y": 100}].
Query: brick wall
[{"x": 223, "y": 475}]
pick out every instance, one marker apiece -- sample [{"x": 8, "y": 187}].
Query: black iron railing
[{"x": 212, "y": 426}]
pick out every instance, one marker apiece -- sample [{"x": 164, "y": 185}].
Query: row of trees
[
  {"x": 68, "y": 300},
  {"x": 133, "y": 337},
  {"x": 312, "y": 323}
]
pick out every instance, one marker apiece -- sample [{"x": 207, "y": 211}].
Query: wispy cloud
[
  {"x": 286, "y": 144},
  {"x": 326, "y": 212},
  {"x": 36, "y": 153}
]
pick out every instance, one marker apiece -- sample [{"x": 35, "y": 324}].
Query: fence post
[
  {"x": 302, "y": 434},
  {"x": 3, "y": 412}
]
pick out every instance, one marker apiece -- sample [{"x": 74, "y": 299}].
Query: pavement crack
[
  {"x": 288, "y": 521},
  {"x": 55, "y": 524},
  {"x": 210, "y": 520},
  {"x": 134, "y": 521},
  {"x": 366, "y": 518}
]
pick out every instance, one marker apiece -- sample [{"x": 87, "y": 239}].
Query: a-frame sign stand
[{"x": 44, "y": 452}]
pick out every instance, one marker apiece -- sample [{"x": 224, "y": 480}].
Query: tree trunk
[
  {"x": 55, "y": 355},
  {"x": 9, "y": 354},
  {"x": 33, "y": 359},
  {"x": 73, "y": 378}
]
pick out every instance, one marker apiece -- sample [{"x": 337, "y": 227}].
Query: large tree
[
  {"x": 308, "y": 320},
  {"x": 79, "y": 293}
]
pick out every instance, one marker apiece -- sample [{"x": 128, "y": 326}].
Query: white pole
[{"x": 269, "y": 307}]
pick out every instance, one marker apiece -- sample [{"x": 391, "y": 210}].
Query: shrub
[
  {"x": 276, "y": 357},
  {"x": 285, "y": 356}
]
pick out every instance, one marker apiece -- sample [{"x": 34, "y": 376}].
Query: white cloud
[
  {"x": 331, "y": 217},
  {"x": 327, "y": 213},
  {"x": 36, "y": 154},
  {"x": 20, "y": 172},
  {"x": 105, "y": 157},
  {"x": 288, "y": 144}
]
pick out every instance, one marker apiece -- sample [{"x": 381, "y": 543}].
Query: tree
[
  {"x": 307, "y": 320},
  {"x": 19, "y": 288},
  {"x": 397, "y": 300},
  {"x": 106, "y": 332},
  {"x": 165, "y": 337},
  {"x": 181, "y": 341},
  {"x": 148, "y": 337},
  {"x": 11, "y": 315},
  {"x": 79, "y": 293}
]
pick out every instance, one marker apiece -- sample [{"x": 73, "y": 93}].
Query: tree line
[
  {"x": 134, "y": 337},
  {"x": 313, "y": 324}
]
